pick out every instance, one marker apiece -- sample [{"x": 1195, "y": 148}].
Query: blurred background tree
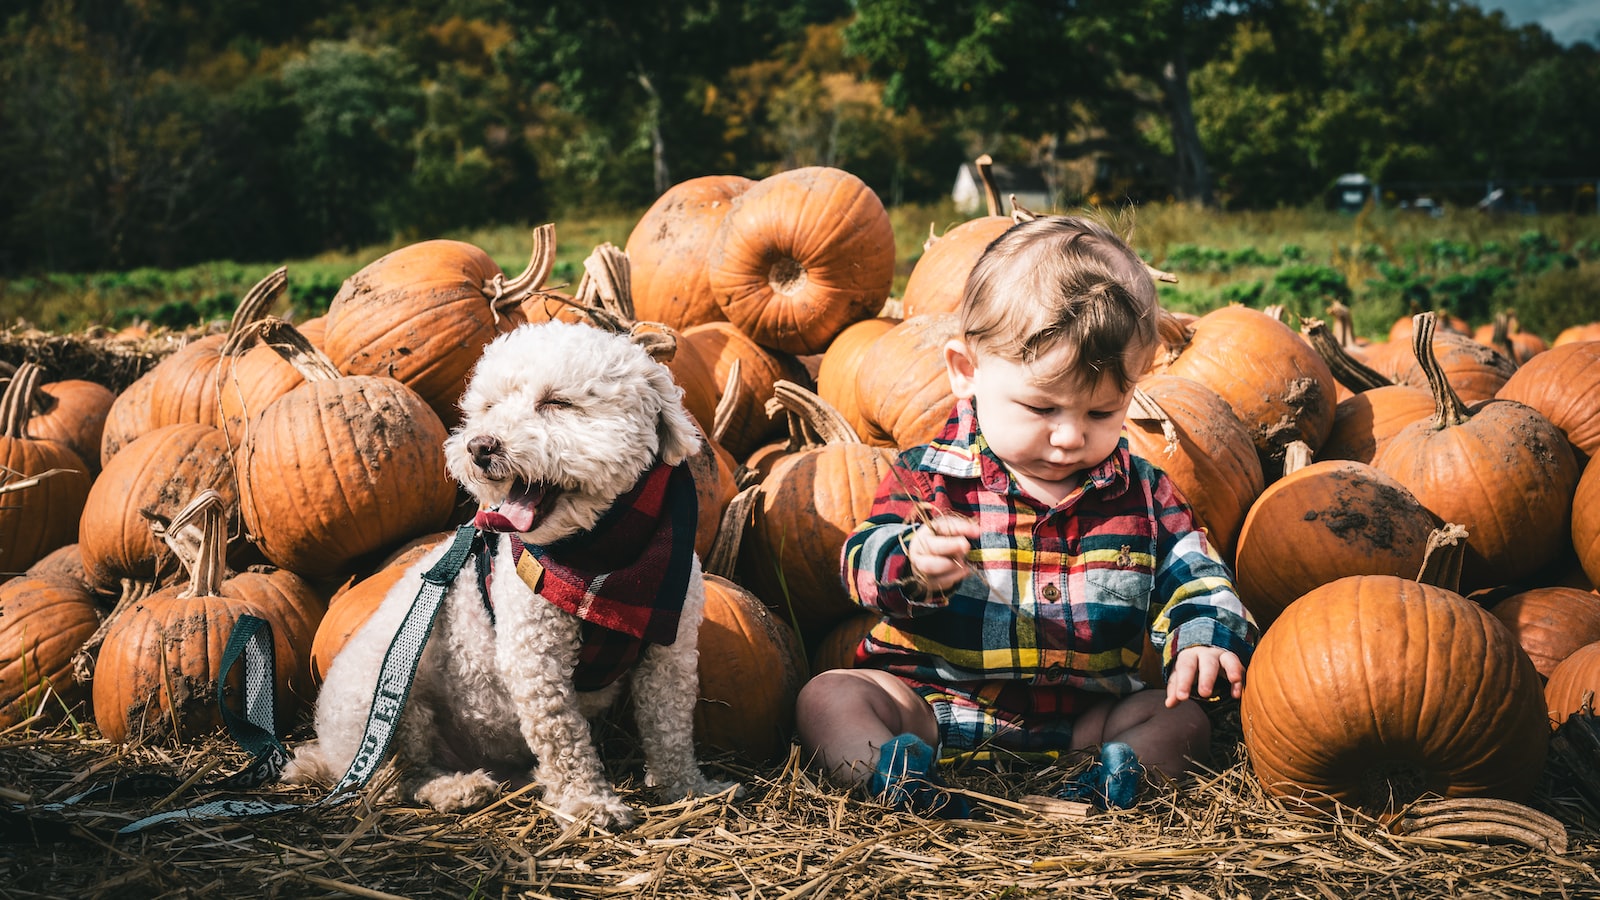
[{"x": 164, "y": 132}]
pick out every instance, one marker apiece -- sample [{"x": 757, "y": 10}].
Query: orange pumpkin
[
  {"x": 1192, "y": 434},
  {"x": 1365, "y": 422},
  {"x": 751, "y": 670},
  {"x": 157, "y": 672},
  {"x": 1586, "y": 332},
  {"x": 1563, "y": 384},
  {"x": 1586, "y": 523},
  {"x": 155, "y": 475},
  {"x": 1277, "y": 385},
  {"x": 422, "y": 315},
  {"x": 904, "y": 396},
  {"x": 837, "y": 649},
  {"x": 1498, "y": 468},
  {"x": 1321, "y": 522},
  {"x": 45, "y": 484},
  {"x": 841, "y": 363},
  {"x": 748, "y": 425},
  {"x": 1475, "y": 372},
  {"x": 809, "y": 503},
  {"x": 801, "y": 255},
  {"x": 1574, "y": 684},
  {"x": 1375, "y": 690},
  {"x": 939, "y": 278},
  {"x": 341, "y": 467},
  {"x": 1550, "y": 623},
  {"x": 182, "y": 387},
  {"x": 669, "y": 246},
  {"x": 44, "y": 619},
  {"x": 73, "y": 412}
]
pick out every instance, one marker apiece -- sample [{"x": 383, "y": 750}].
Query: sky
[{"x": 1569, "y": 21}]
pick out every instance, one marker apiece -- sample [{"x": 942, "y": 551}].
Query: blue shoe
[
  {"x": 1112, "y": 782},
  {"x": 1124, "y": 776},
  {"x": 906, "y": 780}
]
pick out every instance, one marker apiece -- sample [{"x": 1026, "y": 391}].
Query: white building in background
[{"x": 1026, "y": 182}]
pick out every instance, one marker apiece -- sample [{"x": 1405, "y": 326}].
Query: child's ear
[{"x": 961, "y": 364}]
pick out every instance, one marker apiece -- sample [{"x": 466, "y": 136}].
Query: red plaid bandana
[{"x": 627, "y": 576}]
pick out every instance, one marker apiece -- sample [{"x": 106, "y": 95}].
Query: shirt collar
[{"x": 961, "y": 451}]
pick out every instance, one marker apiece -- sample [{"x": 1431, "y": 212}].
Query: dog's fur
[{"x": 588, "y": 411}]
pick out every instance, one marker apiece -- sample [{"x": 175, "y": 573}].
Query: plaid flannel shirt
[{"x": 1059, "y": 598}]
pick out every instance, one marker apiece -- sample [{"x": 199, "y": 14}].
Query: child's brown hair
[{"x": 1063, "y": 282}]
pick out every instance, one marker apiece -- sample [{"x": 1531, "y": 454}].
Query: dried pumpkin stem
[
  {"x": 728, "y": 403},
  {"x": 1344, "y": 329},
  {"x": 991, "y": 194},
  {"x": 1448, "y": 408},
  {"x": 1500, "y": 335},
  {"x": 505, "y": 294},
  {"x": 287, "y": 341},
  {"x": 209, "y": 565},
  {"x": 16, "y": 406},
  {"x": 1145, "y": 408},
  {"x": 1296, "y": 456},
  {"x": 1442, "y": 557},
  {"x": 1349, "y": 371},
  {"x": 254, "y": 305},
  {"x": 134, "y": 591},
  {"x": 724, "y": 554},
  {"x": 812, "y": 421}
]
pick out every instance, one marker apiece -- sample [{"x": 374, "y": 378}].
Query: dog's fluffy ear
[{"x": 676, "y": 431}]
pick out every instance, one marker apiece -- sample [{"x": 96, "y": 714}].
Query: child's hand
[
  {"x": 1194, "y": 673},
  {"x": 938, "y": 549}
]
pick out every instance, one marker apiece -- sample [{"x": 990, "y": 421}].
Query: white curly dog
[{"x": 572, "y": 441}]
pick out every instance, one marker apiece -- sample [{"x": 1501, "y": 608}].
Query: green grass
[{"x": 1383, "y": 264}]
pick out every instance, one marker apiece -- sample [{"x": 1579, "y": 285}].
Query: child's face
[{"x": 1046, "y": 433}]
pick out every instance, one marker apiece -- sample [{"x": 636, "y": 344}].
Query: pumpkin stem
[
  {"x": 1145, "y": 408},
  {"x": 1442, "y": 557},
  {"x": 1448, "y": 408},
  {"x": 1500, "y": 335},
  {"x": 16, "y": 406},
  {"x": 1349, "y": 371},
  {"x": 991, "y": 193},
  {"x": 207, "y": 563},
  {"x": 1296, "y": 456},
  {"x": 505, "y": 294},
  {"x": 1021, "y": 213},
  {"x": 30, "y": 481},
  {"x": 607, "y": 282},
  {"x": 813, "y": 422},
  {"x": 658, "y": 340},
  {"x": 287, "y": 341},
  {"x": 1344, "y": 328},
  {"x": 1276, "y": 312},
  {"x": 1174, "y": 333},
  {"x": 134, "y": 591},
  {"x": 727, "y": 404},
  {"x": 933, "y": 238},
  {"x": 724, "y": 554},
  {"x": 254, "y": 305}
]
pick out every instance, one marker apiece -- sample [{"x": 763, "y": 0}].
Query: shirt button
[{"x": 1051, "y": 592}]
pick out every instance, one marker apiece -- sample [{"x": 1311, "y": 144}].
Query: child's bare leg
[
  {"x": 1171, "y": 740},
  {"x": 845, "y": 715}
]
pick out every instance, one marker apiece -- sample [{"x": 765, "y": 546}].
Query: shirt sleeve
[
  {"x": 875, "y": 567},
  {"x": 1202, "y": 606}
]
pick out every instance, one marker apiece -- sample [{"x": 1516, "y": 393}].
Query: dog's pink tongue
[{"x": 517, "y": 513}]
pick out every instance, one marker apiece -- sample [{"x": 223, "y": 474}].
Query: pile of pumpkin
[{"x": 292, "y": 472}]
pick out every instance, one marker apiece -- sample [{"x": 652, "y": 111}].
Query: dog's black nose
[{"x": 483, "y": 449}]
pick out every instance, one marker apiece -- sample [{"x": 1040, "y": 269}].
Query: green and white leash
[{"x": 251, "y": 640}]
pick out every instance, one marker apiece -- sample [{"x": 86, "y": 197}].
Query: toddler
[{"x": 1020, "y": 558}]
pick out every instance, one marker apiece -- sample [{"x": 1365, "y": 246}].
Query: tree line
[{"x": 164, "y": 132}]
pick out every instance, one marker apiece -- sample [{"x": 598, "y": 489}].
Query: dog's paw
[
  {"x": 458, "y": 791},
  {"x": 606, "y": 812},
  {"x": 701, "y": 787}
]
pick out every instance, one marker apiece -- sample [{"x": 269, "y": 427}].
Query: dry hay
[
  {"x": 793, "y": 836},
  {"x": 114, "y": 359}
]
